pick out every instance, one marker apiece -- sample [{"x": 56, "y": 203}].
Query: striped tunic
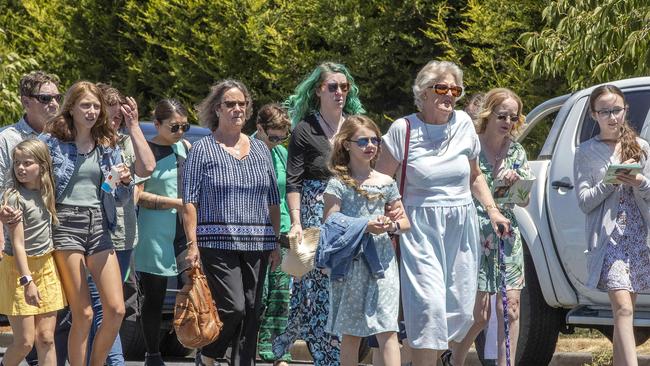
[{"x": 232, "y": 196}]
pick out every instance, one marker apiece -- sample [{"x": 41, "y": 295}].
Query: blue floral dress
[
  {"x": 362, "y": 305},
  {"x": 309, "y": 303},
  {"x": 627, "y": 257}
]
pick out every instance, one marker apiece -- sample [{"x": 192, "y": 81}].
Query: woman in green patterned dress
[{"x": 501, "y": 158}]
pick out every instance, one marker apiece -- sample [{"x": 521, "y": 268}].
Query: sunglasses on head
[
  {"x": 179, "y": 126},
  {"x": 362, "y": 142},
  {"x": 233, "y": 103},
  {"x": 503, "y": 117},
  {"x": 442, "y": 89},
  {"x": 333, "y": 87},
  {"x": 47, "y": 98}
]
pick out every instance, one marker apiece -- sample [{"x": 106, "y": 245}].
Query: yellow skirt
[{"x": 46, "y": 278}]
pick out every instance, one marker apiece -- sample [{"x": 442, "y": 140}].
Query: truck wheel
[
  {"x": 641, "y": 334},
  {"x": 539, "y": 324},
  {"x": 132, "y": 340}
]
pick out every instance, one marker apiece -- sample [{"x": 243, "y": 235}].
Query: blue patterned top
[{"x": 232, "y": 196}]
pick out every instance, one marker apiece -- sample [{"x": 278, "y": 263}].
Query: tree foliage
[
  {"x": 590, "y": 41},
  {"x": 153, "y": 49},
  {"x": 13, "y": 66}
]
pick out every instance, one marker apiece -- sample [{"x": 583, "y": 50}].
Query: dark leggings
[{"x": 152, "y": 290}]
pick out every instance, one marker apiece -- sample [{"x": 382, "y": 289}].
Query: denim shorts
[{"x": 81, "y": 229}]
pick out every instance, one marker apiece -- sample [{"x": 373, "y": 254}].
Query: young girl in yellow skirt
[{"x": 30, "y": 289}]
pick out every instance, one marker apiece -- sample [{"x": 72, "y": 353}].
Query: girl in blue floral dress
[{"x": 362, "y": 304}]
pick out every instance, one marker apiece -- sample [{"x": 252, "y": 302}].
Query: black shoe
[
  {"x": 153, "y": 359},
  {"x": 199, "y": 362},
  {"x": 445, "y": 357}
]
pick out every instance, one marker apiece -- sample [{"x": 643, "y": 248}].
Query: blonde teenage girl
[
  {"x": 30, "y": 290},
  {"x": 362, "y": 304}
]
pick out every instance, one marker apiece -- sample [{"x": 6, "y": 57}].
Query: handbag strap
[{"x": 406, "y": 155}]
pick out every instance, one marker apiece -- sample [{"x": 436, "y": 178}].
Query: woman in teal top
[
  {"x": 161, "y": 239},
  {"x": 273, "y": 127}
]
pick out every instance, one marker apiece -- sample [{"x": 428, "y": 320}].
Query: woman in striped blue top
[{"x": 231, "y": 218}]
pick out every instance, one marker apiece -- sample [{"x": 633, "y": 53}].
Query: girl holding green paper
[{"x": 617, "y": 215}]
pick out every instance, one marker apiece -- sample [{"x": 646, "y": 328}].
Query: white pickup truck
[{"x": 553, "y": 228}]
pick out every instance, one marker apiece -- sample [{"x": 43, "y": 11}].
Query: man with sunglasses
[{"x": 39, "y": 95}]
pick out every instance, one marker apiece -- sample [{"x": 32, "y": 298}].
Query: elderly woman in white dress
[{"x": 439, "y": 256}]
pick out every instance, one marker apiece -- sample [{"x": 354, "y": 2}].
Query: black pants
[
  {"x": 236, "y": 279},
  {"x": 151, "y": 296}
]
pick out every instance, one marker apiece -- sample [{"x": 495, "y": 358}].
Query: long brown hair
[
  {"x": 340, "y": 157},
  {"x": 62, "y": 125},
  {"x": 39, "y": 152},
  {"x": 630, "y": 148}
]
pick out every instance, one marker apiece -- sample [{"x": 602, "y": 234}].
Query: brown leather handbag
[{"x": 196, "y": 320}]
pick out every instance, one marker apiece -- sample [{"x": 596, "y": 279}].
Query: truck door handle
[{"x": 557, "y": 184}]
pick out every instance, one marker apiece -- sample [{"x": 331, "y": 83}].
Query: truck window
[
  {"x": 535, "y": 139},
  {"x": 639, "y": 103}
]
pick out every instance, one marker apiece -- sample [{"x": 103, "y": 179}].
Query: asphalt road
[{"x": 174, "y": 362}]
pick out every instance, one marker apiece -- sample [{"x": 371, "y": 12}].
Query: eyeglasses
[
  {"x": 362, "y": 142},
  {"x": 605, "y": 113},
  {"x": 503, "y": 117},
  {"x": 277, "y": 139},
  {"x": 47, "y": 98},
  {"x": 333, "y": 87},
  {"x": 179, "y": 126},
  {"x": 442, "y": 89},
  {"x": 233, "y": 103}
]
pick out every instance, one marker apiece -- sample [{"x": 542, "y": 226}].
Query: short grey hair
[{"x": 432, "y": 72}]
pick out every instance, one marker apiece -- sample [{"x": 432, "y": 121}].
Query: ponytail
[{"x": 630, "y": 148}]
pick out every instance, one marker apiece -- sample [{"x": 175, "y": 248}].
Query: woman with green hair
[{"x": 317, "y": 110}]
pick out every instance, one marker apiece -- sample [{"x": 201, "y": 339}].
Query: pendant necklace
[{"x": 332, "y": 131}]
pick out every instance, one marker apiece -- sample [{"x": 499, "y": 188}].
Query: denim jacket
[
  {"x": 64, "y": 158},
  {"x": 342, "y": 240}
]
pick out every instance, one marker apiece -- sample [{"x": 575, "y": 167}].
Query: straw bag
[
  {"x": 300, "y": 257},
  {"x": 196, "y": 320}
]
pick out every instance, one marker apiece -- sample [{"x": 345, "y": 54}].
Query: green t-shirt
[
  {"x": 279, "y": 156},
  {"x": 37, "y": 222},
  {"x": 83, "y": 188},
  {"x": 126, "y": 230}
]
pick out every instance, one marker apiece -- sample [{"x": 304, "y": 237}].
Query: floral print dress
[
  {"x": 309, "y": 303},
  {"x": 488, "y": 277},
  {"x": 627, "y": 257}
]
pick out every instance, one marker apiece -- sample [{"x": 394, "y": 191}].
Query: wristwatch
[{"x": 25, "y": 280}]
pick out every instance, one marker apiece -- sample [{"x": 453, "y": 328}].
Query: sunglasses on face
[
  {"x": 503, "y": 117},
  {"x": 333, "y": 87},
  {"x": 605, "y": 113},
  {"x": 363, "y": 142},
  {"x": 277, "y": 139},
  {"x": 233, "y": 103},
  {"x": 442, "y": 89},
  {"x": 47, "y": 98},
  {"x": 179, "y": 126}
]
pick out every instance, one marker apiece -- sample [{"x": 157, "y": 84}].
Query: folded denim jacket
[
  {"x": 343, "y": 239},
  {"x": 64, "y": 157}
]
